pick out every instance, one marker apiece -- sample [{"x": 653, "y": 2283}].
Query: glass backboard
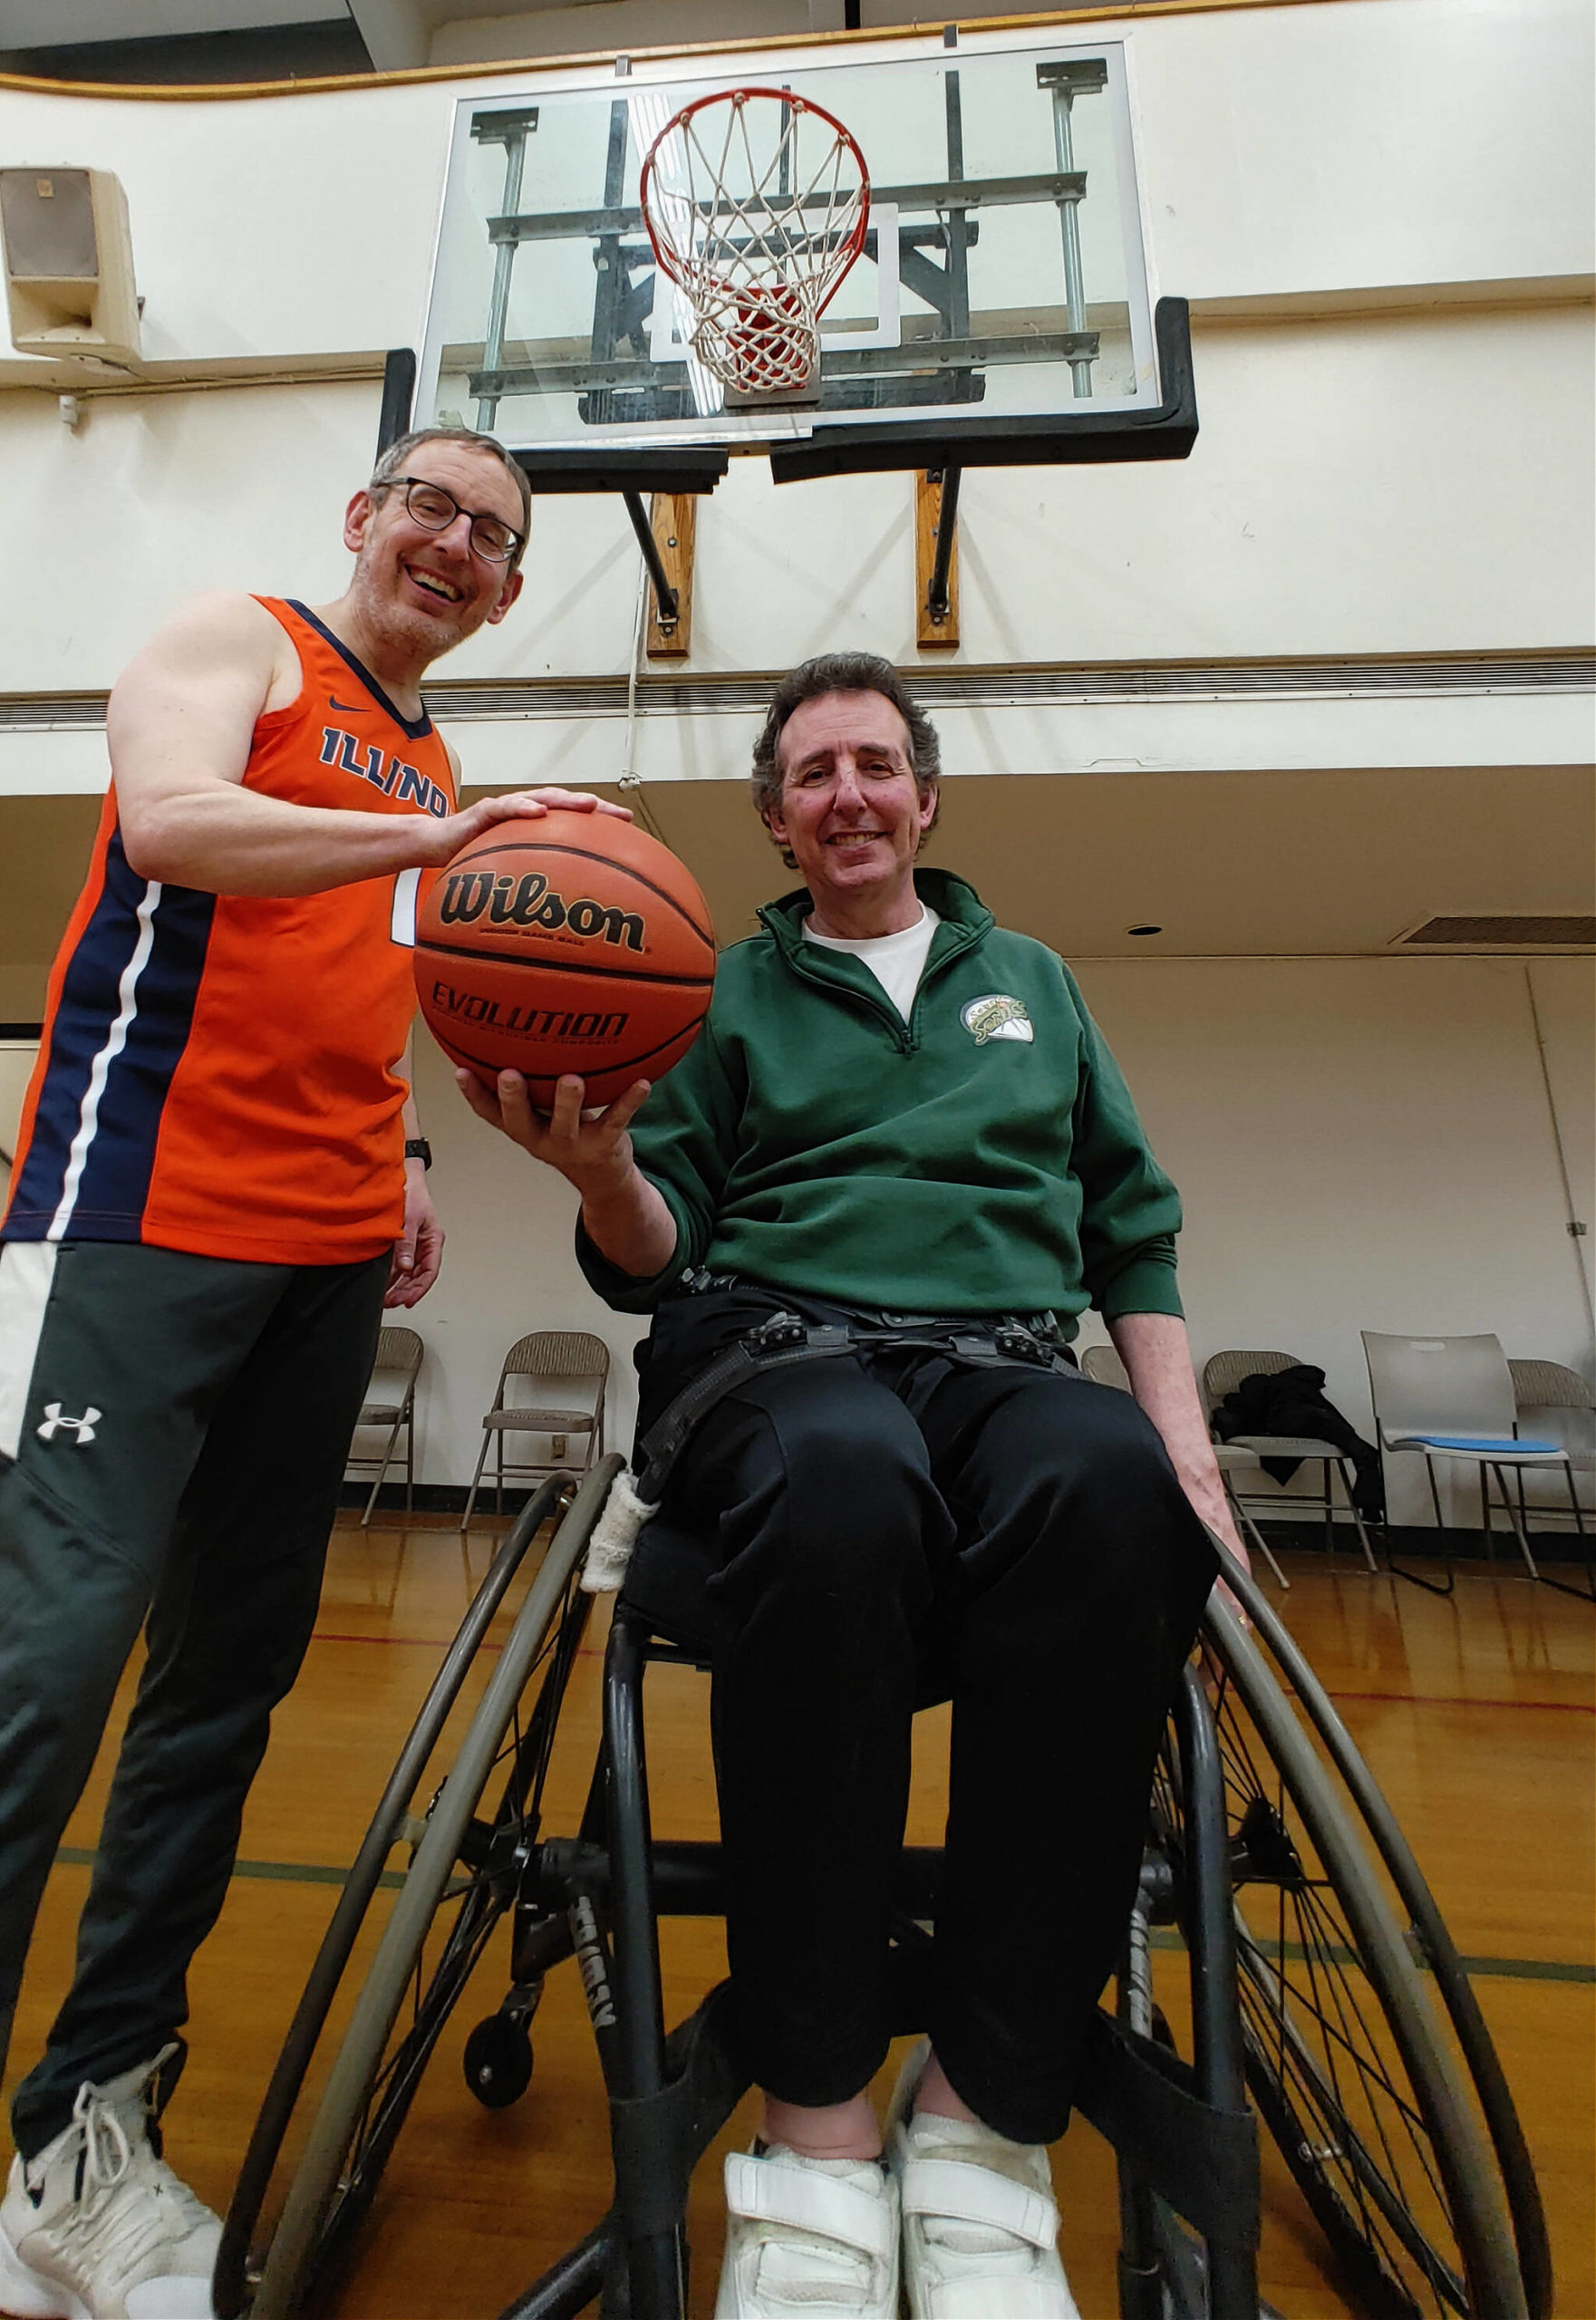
[{"x": 1001, "y": 300}]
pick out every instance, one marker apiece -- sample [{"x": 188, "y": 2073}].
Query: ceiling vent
[{"x": 1503, "y": 930}]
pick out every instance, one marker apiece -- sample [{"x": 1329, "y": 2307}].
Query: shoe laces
[{"x": 115, "y": 2234}]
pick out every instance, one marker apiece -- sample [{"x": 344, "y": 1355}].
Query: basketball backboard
[{"x": 1000, "y": 313}]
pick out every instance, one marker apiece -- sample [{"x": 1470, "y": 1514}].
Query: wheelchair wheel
[
  {"x": 388, "y": 1827},
  {"x": 462, "y": 1881},
  {"x": 1348, "y": 2062}
]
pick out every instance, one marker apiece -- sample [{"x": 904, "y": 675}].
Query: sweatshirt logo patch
[{"x": 997, "y": 1016}]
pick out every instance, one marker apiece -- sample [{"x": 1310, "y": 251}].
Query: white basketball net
[{"x": 756, "y": 202}]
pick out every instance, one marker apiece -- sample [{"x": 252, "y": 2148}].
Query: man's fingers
[
  {"x": 518, "y": 1120},
  {"x": 621, "y": 1114},
  {"x": 482, "y": 1100}
]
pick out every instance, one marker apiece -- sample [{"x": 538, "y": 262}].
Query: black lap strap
[{"x": 1008, "y": 1342}]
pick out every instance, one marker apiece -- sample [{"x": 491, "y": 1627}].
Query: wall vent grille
[{"x": 1503, "y": 931}]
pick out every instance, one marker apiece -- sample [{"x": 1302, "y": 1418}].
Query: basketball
[{"x": 574, "y": 944}]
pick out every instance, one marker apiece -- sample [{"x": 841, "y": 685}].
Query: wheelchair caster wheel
[{"x": 499, "y": 2062}]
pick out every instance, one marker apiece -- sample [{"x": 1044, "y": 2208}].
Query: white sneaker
[
  {"x": 980, "y": 2222},
  {"x": 98, "y": 2227},
  {"x": 815, "y": 2237}
]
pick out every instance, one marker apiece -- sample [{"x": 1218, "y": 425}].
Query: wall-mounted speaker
[{"x": 69, "y": 264}]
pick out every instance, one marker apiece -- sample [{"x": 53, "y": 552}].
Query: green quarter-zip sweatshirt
[{"x": 983, "y": 1157}]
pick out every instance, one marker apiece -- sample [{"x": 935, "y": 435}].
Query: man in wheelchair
[{"x": 902, "y": 1141}]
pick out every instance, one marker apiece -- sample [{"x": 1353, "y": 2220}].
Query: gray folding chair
[
  {"x": 1453, "y": 1399},
  {"x": 1103, "y": 1366},
  {"x": 391, "y": 1401},
  {"x": 1222, "y": 1373},
  {"x": 553, "y": 1384}
]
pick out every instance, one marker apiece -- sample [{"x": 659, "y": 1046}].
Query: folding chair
[
  {"x": 1103, "y": 1366},
  {"x": 391, "y": 1401},
  {"x": 537, "y": 1393},
  {"x": 1453, "y": 1398},
  {"x": 1222, "y": 1373}
]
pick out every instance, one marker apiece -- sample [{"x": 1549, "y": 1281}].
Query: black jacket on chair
[{"x": 1292, "y": 1401}]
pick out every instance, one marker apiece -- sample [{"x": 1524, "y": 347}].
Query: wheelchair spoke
[
  {"x": 467, "y": 1870},
  {"x": 1329, "y": 2043}
]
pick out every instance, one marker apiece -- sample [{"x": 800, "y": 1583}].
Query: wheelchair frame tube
[
  {"x": 654, "y": 2256},
  {"x": 1211, "y": 1941}
]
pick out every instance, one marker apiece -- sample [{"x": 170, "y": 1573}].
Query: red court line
[
  {"x": 1446, "y": 1699},
  {"x": 1398, "y": 1699},
  {"x": 426, "y": 1642}
]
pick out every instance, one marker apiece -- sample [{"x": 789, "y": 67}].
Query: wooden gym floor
[{"x": 1475, "y": 1715}]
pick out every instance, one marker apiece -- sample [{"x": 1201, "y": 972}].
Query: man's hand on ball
[
  {"x": 441, "y": 841},
  {"x": 591, "y": 1148}
]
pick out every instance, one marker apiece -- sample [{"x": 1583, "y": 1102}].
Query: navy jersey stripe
[{"x": 114, "y": 1181}]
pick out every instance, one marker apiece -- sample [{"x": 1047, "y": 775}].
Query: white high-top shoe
[
  {"x": 980, "y": 2226},
  {"x": 98, "y": 2227},
  {"x": 808, "y": 2238}
]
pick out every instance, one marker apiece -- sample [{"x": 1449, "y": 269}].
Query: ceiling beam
[{"x": 398, "y": 33}]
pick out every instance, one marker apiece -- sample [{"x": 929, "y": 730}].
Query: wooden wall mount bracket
[{"x": 673, "y": 521}]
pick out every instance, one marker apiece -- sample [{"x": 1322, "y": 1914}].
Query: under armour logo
[{"x": 83, "y": 1427}]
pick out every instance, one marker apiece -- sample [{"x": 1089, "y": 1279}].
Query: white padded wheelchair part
[{"x": 615, "y": 1534}]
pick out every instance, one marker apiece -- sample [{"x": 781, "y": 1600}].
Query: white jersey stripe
[
  {"x": 26, "y": 1271},
  {"x": 116, "y": 1039},
  {"x": 402, "y": 924}
]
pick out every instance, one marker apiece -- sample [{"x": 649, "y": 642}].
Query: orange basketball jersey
[{"x": 219, "y": 1072}]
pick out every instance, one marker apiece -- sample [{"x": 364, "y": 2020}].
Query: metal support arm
[
  {"x": 665, "y": 596},
  {"x": 947, "y": 521}
]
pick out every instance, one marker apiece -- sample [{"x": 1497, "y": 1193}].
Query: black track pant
[
  {"x": 200, "y": 1492},
  {"x": 1022, "y": 1533}
]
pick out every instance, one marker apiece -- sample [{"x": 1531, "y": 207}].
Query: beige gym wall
[{"x": 1395, "y": 459}]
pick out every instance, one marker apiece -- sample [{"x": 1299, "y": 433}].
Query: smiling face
[
  {"x": 851, "y": 812},
  {"x": 417, "y": 593}
]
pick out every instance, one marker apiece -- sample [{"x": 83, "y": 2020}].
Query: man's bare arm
[
  {"x": 180, "y": 724},
  {"x": 1156, "y": 1351}
]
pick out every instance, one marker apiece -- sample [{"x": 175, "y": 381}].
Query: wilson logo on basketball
[{"x": 531, "y": 900}]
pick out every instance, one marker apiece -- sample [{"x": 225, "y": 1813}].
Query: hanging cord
[
  {"x": 631, "y": 782},
  {"x": 1576, "y": 1229}
]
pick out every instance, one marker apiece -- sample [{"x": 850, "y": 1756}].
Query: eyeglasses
[{"x": 428, "y": 505}]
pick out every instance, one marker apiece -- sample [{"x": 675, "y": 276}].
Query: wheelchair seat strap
[
  {"x": 1009, "y": 1342},
  {"x": 763, "y": 1349}
]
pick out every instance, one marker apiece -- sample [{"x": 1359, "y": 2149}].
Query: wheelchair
[{"x": 1327, "y": 2003}]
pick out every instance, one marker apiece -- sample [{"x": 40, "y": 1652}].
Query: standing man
[
  {"x": 900, "y": 1123},
  {"x": 220, "y": 1183}
]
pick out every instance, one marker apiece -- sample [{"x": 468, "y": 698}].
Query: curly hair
[
  {"x": 841, "y": 672},
  {"x": 390, "y": 461}
]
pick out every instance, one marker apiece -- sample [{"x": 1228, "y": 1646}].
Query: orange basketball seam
[{"x": 534, "y": 963}]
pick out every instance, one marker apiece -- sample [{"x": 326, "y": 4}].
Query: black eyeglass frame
[{"x": 410, "y": 483}]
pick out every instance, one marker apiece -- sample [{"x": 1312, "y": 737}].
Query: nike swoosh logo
[{"x": 350, "y": 709}]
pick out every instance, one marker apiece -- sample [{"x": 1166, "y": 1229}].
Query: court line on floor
[
  {"x": 1400, "y": 1699},
  {"x": 311, "y": 1873}
]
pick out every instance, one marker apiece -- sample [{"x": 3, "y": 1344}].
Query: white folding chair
[{"x": 1452, "y": 1399}]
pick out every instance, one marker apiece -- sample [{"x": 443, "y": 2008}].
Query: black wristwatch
[{"x": 416, "y": 1148}]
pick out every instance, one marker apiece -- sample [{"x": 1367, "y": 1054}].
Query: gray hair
[
  {"x": 841, "y": 672},
  {"x": 390, "y": 461}
]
